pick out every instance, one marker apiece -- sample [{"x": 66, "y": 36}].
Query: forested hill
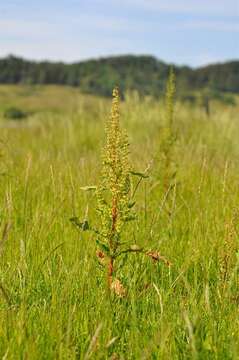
[{"x": 143, "y": 73}]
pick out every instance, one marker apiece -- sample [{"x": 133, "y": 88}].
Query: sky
[{"x": 188, "y": 32}]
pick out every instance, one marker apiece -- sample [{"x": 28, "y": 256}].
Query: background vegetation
[
  {"x": 53, "y": 300},
  {"x": 145, "y": 74}
]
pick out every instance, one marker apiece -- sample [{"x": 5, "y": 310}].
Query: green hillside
[{"x": 145, "y": 74}]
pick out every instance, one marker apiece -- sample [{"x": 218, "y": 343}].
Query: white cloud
[
  {"x": 206, "y": 7},
  {"x": 100, "y": 22},
  {"x": 41, "y": 40},
  {"x": 87, "y": 23},
  {"x": 211, "y": 25},
  {"x": 20, "y": 28}
]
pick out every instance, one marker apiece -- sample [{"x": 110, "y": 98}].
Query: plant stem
[{"x": 110, "y": 271}]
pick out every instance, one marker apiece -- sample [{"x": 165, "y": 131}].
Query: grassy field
[{"x": 54, "y": 301}]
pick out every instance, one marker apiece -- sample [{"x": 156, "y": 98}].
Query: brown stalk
[{"x": 112, "y": 245}]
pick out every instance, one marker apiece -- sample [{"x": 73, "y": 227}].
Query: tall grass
[{"x": 53, "y": 302}]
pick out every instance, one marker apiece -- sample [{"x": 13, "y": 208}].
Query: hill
[{"x": 145, "y": 74}]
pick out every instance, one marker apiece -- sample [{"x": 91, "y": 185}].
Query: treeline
[{"x": 145, "y": 74}]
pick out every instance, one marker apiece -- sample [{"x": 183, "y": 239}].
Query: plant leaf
[
  {"x": 84, "y": 225},
  {"x": 118, "y": 288},
  {"x": 135, "y": 173},
  {"x": 131, "y": 204},
  {"x": 135, "y": 247},
  {"x": 104, "y": 247},
  {"x": 156, "y": 256},
  {"x": 132, "y": 249},
  {"x": 130, "y": 218},
  {"x": 88, "y": 188}
]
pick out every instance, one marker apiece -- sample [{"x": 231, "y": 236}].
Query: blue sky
[{"x": 192, "y": 32}]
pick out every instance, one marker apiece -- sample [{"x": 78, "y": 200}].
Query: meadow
[{"x": 54, "y": 299}]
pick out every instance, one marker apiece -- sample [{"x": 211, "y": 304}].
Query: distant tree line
[{"x": 145, "y": 74}]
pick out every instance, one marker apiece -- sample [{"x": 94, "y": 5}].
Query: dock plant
[
  {"x": 115, "y": 195},
  {"x": 165, "y": 165}
]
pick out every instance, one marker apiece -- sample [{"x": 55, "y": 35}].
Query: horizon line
[{"x": 104, "y": 57}]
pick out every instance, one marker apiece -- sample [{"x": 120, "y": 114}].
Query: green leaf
[
  {"x": 135, "y": 173},
  {"x": 88, "y": 188},
  {"x": 135, "y": 247},
  {"x": 130, "y": 218},
  {"x": 132, "y": 249},
  {"x": 82, "y": 225},
  {"x": 131, "y": 204},
  {"x": 104, "y": 247}
]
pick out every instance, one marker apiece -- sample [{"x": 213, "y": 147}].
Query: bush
[
  {"x": 14, "y": 113},
  {"x": 188, "y": 98}
]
